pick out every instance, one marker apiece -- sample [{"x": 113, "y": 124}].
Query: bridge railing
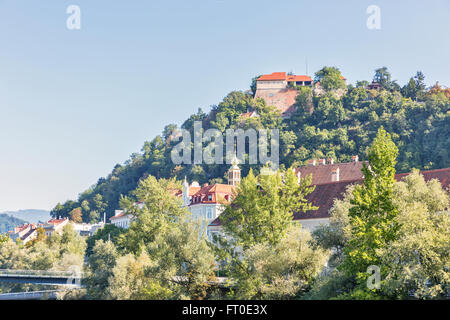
[
  {"x": 29, "y": 295},
  {"x": 38, "y": 273}
]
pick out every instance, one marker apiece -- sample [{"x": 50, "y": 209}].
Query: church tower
[
  {"x": 234, "y": 173},
  {"x": 186, "y": 199}
]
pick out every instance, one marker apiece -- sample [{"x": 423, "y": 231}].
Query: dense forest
[{"x": 337, "y": 121}]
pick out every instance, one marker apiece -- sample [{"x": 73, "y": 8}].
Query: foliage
[
  {"x": 336, "y": 234},
  {"x": 330, "y": 78},
  {"x": 108, "y": 232},
  {"x": 76, "y": 215},
  {"x": 325, "y": 125},
  {"x": 264, "y": 256},
  {"x": 168, "y": 244},
  {"x": 100, "y": 268},
  {"x": 415, "y": 263},
  {"x": 418, "y": 260},
  {"x": 372, "y": 216},
  {"x": 280, "y": 271},
  {"x": 263, "y": 207},
  {"x": 57, "y": 252}
]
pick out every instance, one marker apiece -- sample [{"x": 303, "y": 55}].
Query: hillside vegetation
[
  {"x": 337, "y": 121},
  {"x": 8, "y": 223}
]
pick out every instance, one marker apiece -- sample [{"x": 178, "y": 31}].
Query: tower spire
[{"x": 234, "y": 173}]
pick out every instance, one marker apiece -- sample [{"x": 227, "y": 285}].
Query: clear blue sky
[{"x": 75, "y": 103}]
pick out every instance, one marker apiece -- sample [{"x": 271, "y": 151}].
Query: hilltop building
[{"x": 277, "y": 89}]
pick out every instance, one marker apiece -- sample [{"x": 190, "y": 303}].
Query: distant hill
[
  {"x": 8, "y": 223},
  {"x": 30, "y": 215}
]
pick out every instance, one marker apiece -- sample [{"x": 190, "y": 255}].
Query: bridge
[
  {"x": 30, "y": 295},
  {"x": 66, "y": 279},
  {"x": 42, "y": 277}
]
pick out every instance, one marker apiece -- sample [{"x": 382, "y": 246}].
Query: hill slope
[
  {"x": 30, "y": 215},
  {"x": 8, "y": 223},
  {"x": 339, "y": 122}
]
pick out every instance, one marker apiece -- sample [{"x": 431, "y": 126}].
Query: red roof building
[
  {"x": 277, "y": 90},
  {"x": 325, "y": 170},
  {"x": 326, "y": 192}
]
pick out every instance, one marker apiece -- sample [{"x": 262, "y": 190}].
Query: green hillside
[
  {"x": 8, "y": 223},
  {"x": 30, "y": 215},
  {"x": 339, "y": 122}
]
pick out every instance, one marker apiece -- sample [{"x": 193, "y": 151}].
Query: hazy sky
[{"x": 73, "y": 103}]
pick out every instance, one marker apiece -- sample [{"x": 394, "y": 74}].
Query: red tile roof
[
  {"x": 324, "y": 194},
  {"x": 120, "y": 215},
  {"x": 218, "y": 193},
  {"x": 298, "y": 78},
  {"x": 283, "y": 76},
  {"x": 443, "y": 175},
  {"x": 275, "y": 76},
  {"x": 56, "y": 221},
  {"x": 321, "y": 173}
]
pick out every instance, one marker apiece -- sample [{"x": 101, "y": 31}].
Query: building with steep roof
[
  {"x": 25, "y": 233},
  {"x": 326, "y": 170},
  {"x": 206, "y": 203},
  {"x": 327, "y": 191}
]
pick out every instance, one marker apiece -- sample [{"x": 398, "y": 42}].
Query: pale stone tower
[
  {"x": 234, "y": 173},
  {"x": 186, "y": 199}
]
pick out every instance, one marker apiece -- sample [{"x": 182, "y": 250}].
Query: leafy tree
[
  {"x": 100, "y": 268},
  {"x": 129, "y": 280},
  {"x": 253, "y": 84},
  {"x": 94, "y": 216},
  {"x": 372, "y": 216},
  {"x": 417, "y": 261},
  {"x": 263, "y": 207},
  {"x": 181, "y": 263},
  {"x": 108, "y": 232},
  {"x": 362, "y": 84},
  {"x": 383, "y": 77},
  {"x": 3, "y": 238},
  {"x": 76, "y": 215},
  {"x": 336, "y": 234},
  {"x": 281, "y": 271},
  {"x": 259, "y": 239},
  {"x": 414, "y": 262},
  {"x": 330, "y": 78}
]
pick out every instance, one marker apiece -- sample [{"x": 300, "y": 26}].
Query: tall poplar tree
[{"x": 372, "y": 216}]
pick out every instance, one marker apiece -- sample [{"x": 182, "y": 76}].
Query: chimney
[
  {"x": 335, "y": 175},
  {"x": 355, "y": 158},
  {"x": 330, "y": 160},
  {"x": 322, "y": 161},
  {"x": 312, "y": 162},
  {"x": 205, "y": 185}
]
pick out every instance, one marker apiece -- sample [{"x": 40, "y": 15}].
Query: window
[
  {"x": 210, "y": 197},
  {"x": 209, "y": 213}
]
